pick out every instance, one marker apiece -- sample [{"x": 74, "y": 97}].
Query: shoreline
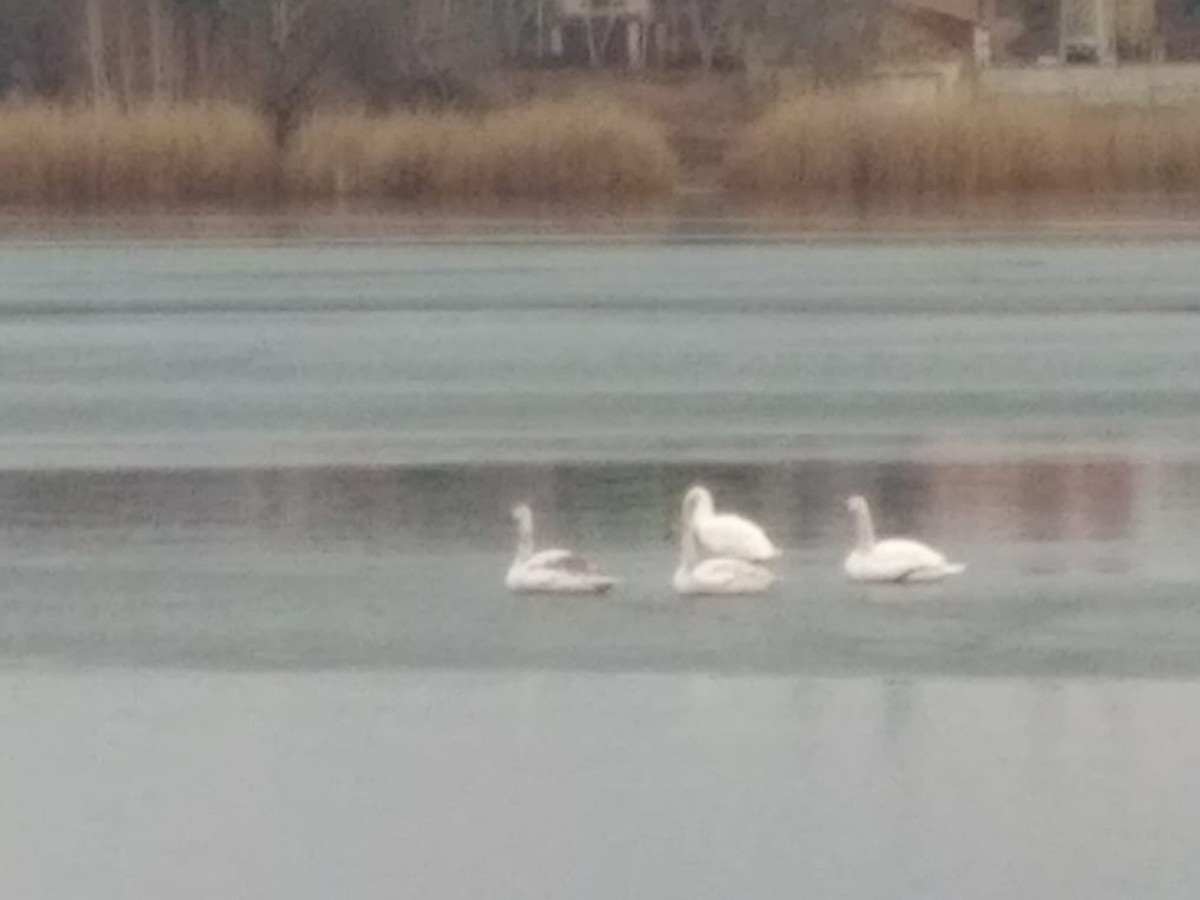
[{"x": 693, "y": 215}]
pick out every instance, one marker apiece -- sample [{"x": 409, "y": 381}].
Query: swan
[
  {"x": 897, "y": 560},
  {"x": 718, "y": 574},
  {"x": 550, "y": 571},
  {"x": 725, "y": 534}
]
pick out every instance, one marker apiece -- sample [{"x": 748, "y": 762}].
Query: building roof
[{"x": 967, "y": 10}]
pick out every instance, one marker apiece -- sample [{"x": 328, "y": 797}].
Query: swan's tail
[{"x": 931, "y": 573}]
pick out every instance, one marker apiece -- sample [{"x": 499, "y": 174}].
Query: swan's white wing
[
  {"x": 558, "y": 571},
  {"x": 729, "y": 535},
  {"x": 900, "y": 559},
  {"x": 724, "y": 575},
  {"x": 560, "y": 560}
]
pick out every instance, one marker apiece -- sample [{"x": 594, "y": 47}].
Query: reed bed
[
  {"x": 76, "y": 157},
  {"x": 546, "y": 151},
  {"x": 850, "y": 147},
  {"x": 63, "y": 156}
]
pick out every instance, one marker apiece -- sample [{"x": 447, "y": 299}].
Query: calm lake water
[
  {"x": 381, "y": 785},
  {"x": 253, "y": 526}
]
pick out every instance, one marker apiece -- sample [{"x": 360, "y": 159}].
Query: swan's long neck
[
  {"x": 864, "y": 529},
  {"x": 688, "y": 551},
  {"x": 524, "y": 537}
]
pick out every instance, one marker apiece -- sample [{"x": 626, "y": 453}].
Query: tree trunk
[
  {"x": 94, "y": 19},
  {"x": 609, "y": 27},
  {"x": 705, "y": 40},
  {"x": 293, "y": 66},
  {"x": 590, "y": 33},
  {"x": 201, "y": 34},
  {"x": 158, "y": 73},
  {"x": 279, "y": 101},
  {"x": 126, "y": 56}
]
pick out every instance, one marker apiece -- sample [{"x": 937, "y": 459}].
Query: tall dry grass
[
  {"x": 78, "y": 156},
  {"x": 545, "y": 151},
  {"x": 860, "y": 148},
  {"x": 224, "y": 154}
]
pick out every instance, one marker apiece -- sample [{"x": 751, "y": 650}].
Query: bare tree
[
  {"x": 301, "y": 39},
  {"x": 279, "y": 54},
  {"x": 18, "y": 27},
  {"x": 161, "y": 51},
  {"x": 713, "y": 25},
  {"x": 598, "y": 40},
  {"x": 96, "y": 50}
]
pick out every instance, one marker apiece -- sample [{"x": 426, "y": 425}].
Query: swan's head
[
  {"x": 523, "y": 515},
  {"x": 857, "y": 504},
  {"x": 697, "y": 499}
]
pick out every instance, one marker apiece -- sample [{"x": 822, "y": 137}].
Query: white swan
[
  {"x": 897, "y": 560},
  {"x": 550, "y": 571},
  {"x": 716, "y": 575},
  {"x": 725, "y": 534}
]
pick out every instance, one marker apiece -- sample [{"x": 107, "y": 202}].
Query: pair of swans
[
  {"x": 736, "y": 550},
  {"x": 724, "y": 553}
]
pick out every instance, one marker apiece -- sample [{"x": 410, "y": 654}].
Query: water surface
[
  {"x": 253, "y": 526},
  {"x": 301, "y": 453},
  {"x": 130, "y": 353},
  {"x": 378, "y": 785}
]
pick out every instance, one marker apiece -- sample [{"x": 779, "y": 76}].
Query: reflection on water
[
  {"x": 561, "y": 785},
  {"x": 1076, "y": 565},
  {"x": 1113, "y": 501}
]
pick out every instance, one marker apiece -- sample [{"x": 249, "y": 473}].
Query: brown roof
[{"x": 968, "y": 10}]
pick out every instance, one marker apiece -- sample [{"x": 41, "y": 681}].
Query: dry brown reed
[
  {"x": 850, "y": 147},
  {"x": 545, "y": 151},
  {"x": 224, "y": 154},
  {"x": 66, "y": 156}
]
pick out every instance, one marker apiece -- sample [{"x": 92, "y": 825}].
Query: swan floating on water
[
  {"x": 725, "y": 535},
  {"x": 896, "y": 560},
  {"x": 553, "y": 571},
  {"x": 717, "y": 574}
]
